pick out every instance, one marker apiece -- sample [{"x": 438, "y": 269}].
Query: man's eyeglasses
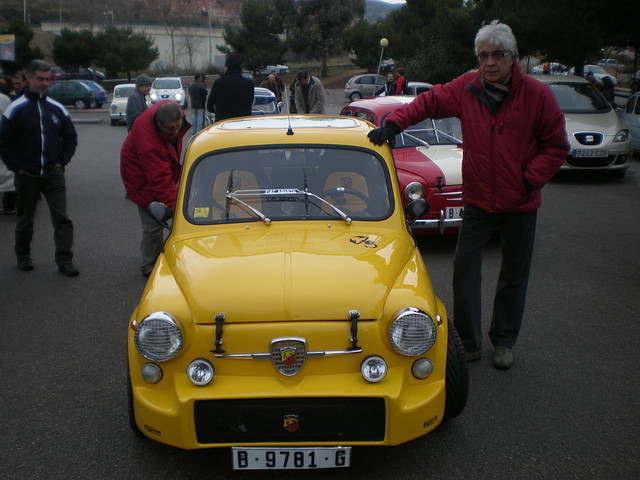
[{"x": 497, "y": 55}]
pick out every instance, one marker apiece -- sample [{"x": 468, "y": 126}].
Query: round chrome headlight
[
  {"x": 158, "y": 337},
  {"x": 373, "y": 368},
  {"x": 200, "y": 372},
  {"x": 412, "y": 332},
  {"x": 414, "y": 191}
]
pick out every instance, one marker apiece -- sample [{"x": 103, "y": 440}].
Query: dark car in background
[
  {"x": 98, "y": 91},
  {"x": 73, "y": 92},
  {"x": 85, "y": 73}
]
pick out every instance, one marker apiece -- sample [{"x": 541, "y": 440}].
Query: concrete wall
[{"x": 171, "y": 42}]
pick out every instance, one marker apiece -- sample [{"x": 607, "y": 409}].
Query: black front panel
[{"x": 290, "y": 420}]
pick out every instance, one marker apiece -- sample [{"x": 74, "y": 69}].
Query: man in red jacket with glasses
[{"x": 514, "y": 142}]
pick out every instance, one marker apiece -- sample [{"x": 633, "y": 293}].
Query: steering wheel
[{"x": 341, "y": 191}]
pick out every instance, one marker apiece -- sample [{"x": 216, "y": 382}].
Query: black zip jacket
[{"x": 36, "y": 134}]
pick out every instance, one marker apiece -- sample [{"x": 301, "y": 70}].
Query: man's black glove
[{"x": 384, "y": 134}]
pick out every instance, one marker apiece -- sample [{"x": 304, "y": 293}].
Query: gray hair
[
  {"x": 37, "y": 65},
  {"x": 168, "y": 112},
  {"x": 499, "y": 35}
]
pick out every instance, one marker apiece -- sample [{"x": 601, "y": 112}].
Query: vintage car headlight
[
  {"x": 621, "y": 136},
  {"x": 200, "y": 372},
  {"x": 158, "y": 337},
  {"x": 412, "y": 332},
  {"x": 414, "y": 191},
  {"x": 373, "y": 368}
]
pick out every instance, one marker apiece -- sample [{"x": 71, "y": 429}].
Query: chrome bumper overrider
[{"x": 437, "y": 223}]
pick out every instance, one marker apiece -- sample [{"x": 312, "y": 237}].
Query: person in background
[
  {"x": 279, "y": 83},
  {"x": 7, "y": 190},
  {"x": 309, "y": 94},
  {"x": 19, "y": 83},
  {"x": 401, "y": 82},
  {"x": 198, "y": 93},
  {"x": 514, "y": 143},
  {"x": 608, "y": 89},
  {"x": 137, "y": 101},
  {"x": 389, "y": 88},
  {"x": 271, "y": 84},
  {"x": 150, "y": 169},
  {"x": 292, "y": 96},
  {"x": 37, "y": 141},
  {"x": 232, "y": 95},
  {"x": 593, "y": 80}
]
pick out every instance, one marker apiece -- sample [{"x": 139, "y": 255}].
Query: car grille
[
  {"x": 290, "y": 420},
  {"x": 589, "y": 138},
  {"x": 594, "y": 162}
]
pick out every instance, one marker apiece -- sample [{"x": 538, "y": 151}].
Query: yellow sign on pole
[{"x": 7, "y": 48}]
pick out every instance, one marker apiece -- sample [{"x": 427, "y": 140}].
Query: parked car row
[{"x": 80, "y": 94}]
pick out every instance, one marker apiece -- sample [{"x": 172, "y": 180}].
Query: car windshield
[
  {"x": 579, "y": 98},
  {"x": 288, "y": 183},
  {"x": 444, "y": 131},
  {"x": 263, "y": 105},
  {"x": 167, "y": 84},
  {"x": 596, "y": 69},
  {"x": 123, "y": 92}
]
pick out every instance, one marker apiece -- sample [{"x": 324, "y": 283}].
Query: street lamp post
[
  {"x": 209, "y": 15},
  {"x": 383, "y": 43}
]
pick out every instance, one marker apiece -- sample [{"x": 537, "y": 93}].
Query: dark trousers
[
  {"x": 28, "y": 191},
  {"x": 517, "y": 233}
]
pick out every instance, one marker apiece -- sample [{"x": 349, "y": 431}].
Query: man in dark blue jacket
[
  {"x": 232, "y": 95},
  {"x": 37, "y": 140}
]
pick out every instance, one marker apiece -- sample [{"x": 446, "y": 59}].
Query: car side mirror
[
  {"x": 160, "y": 213},
  {"x": 416, "y": 209}
]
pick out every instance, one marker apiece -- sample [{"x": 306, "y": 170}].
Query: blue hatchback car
[{"x": 98, "y": 92}]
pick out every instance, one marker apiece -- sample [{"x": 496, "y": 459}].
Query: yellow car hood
[{"x": 270, "y": 275}]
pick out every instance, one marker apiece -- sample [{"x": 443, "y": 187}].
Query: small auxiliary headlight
[
  {"x": 373, "y": 368},
  {"x": 200, "y": 372},
  {"x": 414, "y": 191},
  {"x": 422, "y": 368},
  {"x": 151, "y": 373}
]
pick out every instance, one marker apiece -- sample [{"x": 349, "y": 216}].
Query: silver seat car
[{"x": 599, "y": 139}]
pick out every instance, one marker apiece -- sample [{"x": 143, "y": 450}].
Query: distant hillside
[{"x": 377, "y": 10}]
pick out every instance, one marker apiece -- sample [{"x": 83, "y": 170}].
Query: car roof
[
  {"x": 559, "y": 79},
  {"x": 381, "y": 105},
  {"x": 263, "y": 92},
  {"x": 125, "y": 85},
  {"x": 283, "y": 129}
]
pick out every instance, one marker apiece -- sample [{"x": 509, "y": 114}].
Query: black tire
[
  {"x": 355, "y": 96},
  {"x": 113, "y": 122},
  {"x": 457, "y": 376},
  {"x": 132, "y": 416},
  {"x": 80, "y": 105}
]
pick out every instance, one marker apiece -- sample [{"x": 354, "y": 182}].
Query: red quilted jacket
[
  {"x": 508, "y": 157},
  {"x": 149, "y": 165}
]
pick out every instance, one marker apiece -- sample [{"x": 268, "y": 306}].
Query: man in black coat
[{"x": 232, "y": 94}]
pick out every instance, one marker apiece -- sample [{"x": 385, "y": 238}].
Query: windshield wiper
[
  {"x": 247, "y": 193},
  {"x": 279, "y": 192}
]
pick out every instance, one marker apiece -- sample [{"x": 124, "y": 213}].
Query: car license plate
[
  {"x": 590, "y": 153},
  {"x": 260, "y": 458},
  {"x": 454, "y": 212}
]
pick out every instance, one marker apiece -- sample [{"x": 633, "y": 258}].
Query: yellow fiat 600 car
[{"x": 290, "y": 316}]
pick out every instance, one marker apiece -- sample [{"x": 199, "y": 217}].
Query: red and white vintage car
[{"x": 428, "y": 158}]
